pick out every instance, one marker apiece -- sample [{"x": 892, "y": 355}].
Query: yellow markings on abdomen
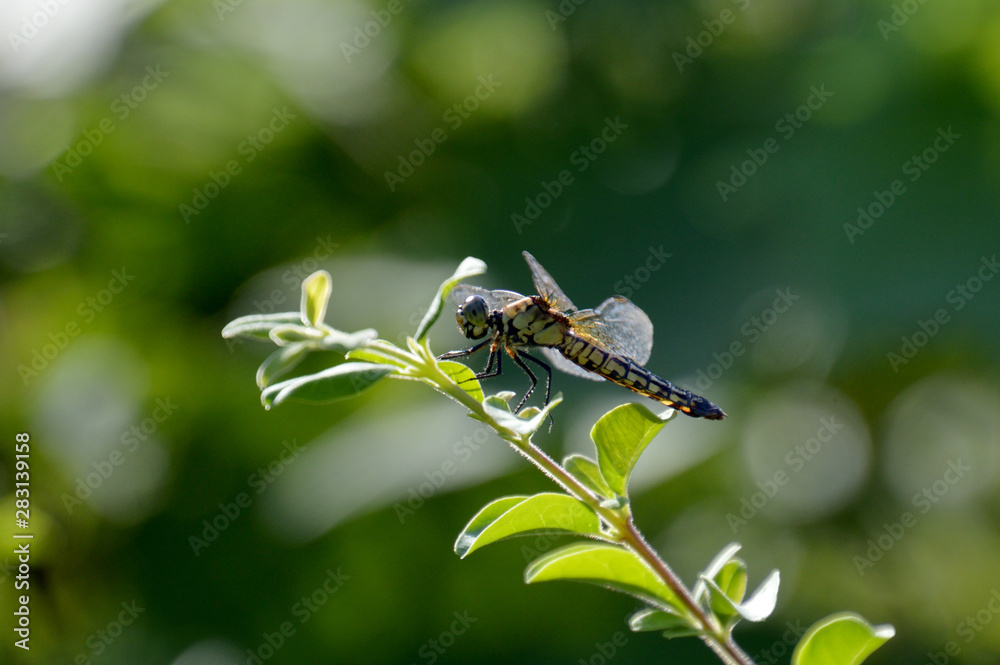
[
  {"x": 638, "y": 379},
  {"x": 613, "y": 368},
  {"x": 624, "y": 372}
]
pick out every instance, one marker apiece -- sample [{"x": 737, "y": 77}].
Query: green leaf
[
  {"x": 464, "y": 377},
  {"x": 724, "y": 556},
  {"x": 470, "y": 267},
  {"x": 500, "y": 400},
  {"x": 419, "y": 350},
  {"x": 258, "y": 326},
  {"x": 283, "y": 360},
  {"x": 621, "y": 435},
  {"x": 649, "y": 619},
  {"x": 340, "y": 382},
  {"x": 605, "y": 564},
  {"x": 373, "y": 355},
  {"x": 337, "y": 340},
  {"x": 316, "y": 290},
  {"x": 682, "y": 631},
  {"x": 387, "y": 351},
  {"x": 486, "y": 516},
  {"x": 731, "y": 581},
  {"x": 840, "y": 639},
  {"x": 541, "y": 513},
  {"x": 526, "y": 422},
  {"x": 760, "y": 604},
  {"x": 288, "y": 333},
  {"x": 763, "y": 600},
  {"x": 585, "y": 470}
]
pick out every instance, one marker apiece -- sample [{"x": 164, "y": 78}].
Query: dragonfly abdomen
[{"x": 625, "y": 372}]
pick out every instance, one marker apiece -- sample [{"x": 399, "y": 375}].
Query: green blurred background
[{"x": 169, "y": 166}]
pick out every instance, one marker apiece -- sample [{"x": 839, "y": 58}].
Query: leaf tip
[
  {"x": 463, "y": 545},
  {"x": 316, "y": 290},
  {"x": 885, "y": 631}
]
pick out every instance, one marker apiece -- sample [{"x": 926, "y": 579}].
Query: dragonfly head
[{"x": 473, "y": 317}]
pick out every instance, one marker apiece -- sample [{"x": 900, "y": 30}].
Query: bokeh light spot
[
  {"x": 510, "y": 42},
  {"x": 939, "y": 423},
  {"x": 807, "y": 448}
]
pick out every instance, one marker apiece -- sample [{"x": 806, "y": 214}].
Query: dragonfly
[{"x": 610, "y": 342}]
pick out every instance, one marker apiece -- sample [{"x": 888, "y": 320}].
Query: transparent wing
[
  {"x": 547, "y": 287},
  {"x": 617, "y": 325},
  {"x": 494, "y": 299},
  {"x": 560, "y": 362}
]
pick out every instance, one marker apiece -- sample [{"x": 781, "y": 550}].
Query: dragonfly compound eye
[
  {"x": 472, "y": 317},
  {"x": 474, "y": 310}
]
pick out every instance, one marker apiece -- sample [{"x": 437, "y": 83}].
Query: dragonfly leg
[
  {"x": 489, "y": 372},
  {"x": 548, "y": 382},
  {"x": 461, "y": 353},
  {"x": 534, "y": 380},
  {"x": 548, "y": 374}
]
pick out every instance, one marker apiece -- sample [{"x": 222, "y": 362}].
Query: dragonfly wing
[
  {"x": 494, "y": 299},
  {"x": 563, "y": 364},
  {"x": 619, "y": 326},
  {"x": 547, "y": 287}
]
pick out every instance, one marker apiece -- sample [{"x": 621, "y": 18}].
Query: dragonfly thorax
[{"x": 473, "y": 317}]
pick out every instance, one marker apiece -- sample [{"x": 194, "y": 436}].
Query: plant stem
[
  {"x": 715, "y": 636},
  {"x": 718, "y": 640},
  {"x": 629, "y": 535}
]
